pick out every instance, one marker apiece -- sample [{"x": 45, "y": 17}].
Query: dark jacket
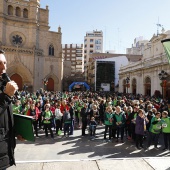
[
  {"x": 84, "y": 114},
  {"x": 139, "y": 128},
  {"x": 71, "y": 110},
  {"x": 7, "y": 135}
]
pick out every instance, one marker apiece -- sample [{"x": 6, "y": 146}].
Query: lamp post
[
  {"x": 162, "y": 76},
  {"x": 45, "y": 82},
  {"x": 127, "y": 83}
]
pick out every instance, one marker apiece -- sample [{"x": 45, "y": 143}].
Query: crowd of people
[{"x": 134, "y": 117}]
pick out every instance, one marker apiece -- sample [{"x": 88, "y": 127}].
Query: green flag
[{"x": 166, "y": 44}]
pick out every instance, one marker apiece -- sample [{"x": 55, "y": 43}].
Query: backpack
[{"x": 67, "y": 116}]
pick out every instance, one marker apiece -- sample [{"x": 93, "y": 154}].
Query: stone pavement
[
  {"x": 107, "y": 164},
  {"x": 77, "y": 152}
]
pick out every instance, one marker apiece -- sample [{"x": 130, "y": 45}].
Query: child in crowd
[
  {"x": 166, "y": 130},
  {"x": 154, "y": 130},
  {"x": 92, "y": 127},
  {"x": 67, "y": 123}
]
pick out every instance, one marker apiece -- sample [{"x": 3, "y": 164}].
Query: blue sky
[{"x": 120, "y": 20}]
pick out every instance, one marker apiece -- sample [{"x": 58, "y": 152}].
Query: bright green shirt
[
  {"x": 166, "y": 125},
  {"x": 16, "y": 109},
  {"x": 156, "y": 128}
]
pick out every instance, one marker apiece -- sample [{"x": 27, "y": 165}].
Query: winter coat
[
  {"x": 139, "y": 128},
  {"x": 7, "y": 135},
  {"x": 84, "y": 113}
]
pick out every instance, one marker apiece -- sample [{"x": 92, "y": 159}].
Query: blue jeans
[{"x": 66, "y": 128}]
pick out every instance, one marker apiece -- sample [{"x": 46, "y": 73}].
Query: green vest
[
  {"x": 119, "y": 117},
  {"x": 47, "y": 115},
  {"x": 107, "y": 117},
  {"x": 166, "y": 125},
  {"x": 155, "y": 128}
]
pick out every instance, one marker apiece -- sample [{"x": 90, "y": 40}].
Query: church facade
[
  {"x": 151, "y": 74},
  {"x": 33, "y": 52}
]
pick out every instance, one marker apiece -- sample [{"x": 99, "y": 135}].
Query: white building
[
  {"x": 93, "y": 43},
  {"x": 119, "y": 62},
  {"x": 143, "y": 74}
]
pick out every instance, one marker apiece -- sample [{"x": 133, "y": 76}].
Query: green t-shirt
[
  {"x": 16, "y": 109},
  {"x": 165, "y": 125},
  {"x": 47, "y": 117},
  {"x": 155, "y": 128}
]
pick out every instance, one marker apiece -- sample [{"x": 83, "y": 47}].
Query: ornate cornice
[
  {"x": 37, "y": 52},
  {"x": 19, "y": 50}
]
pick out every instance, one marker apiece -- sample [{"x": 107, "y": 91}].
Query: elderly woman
[
  {"x": 47, "y": 120},
  {"x": 140, "y": 128},
  {"x": 119, "y": 119},
  {"x": 108, "y": 121}
]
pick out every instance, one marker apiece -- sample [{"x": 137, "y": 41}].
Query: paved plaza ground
[{"x": 77, "y": 152}]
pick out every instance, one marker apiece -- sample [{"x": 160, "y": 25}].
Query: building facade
[
  {"x": 118, "y": 59},
  {"x": 33, "y": 52},
  {"x": 73, "y": 55},
  {"x": 144, "y": 74},
  {"x": 93, "y": 43}
]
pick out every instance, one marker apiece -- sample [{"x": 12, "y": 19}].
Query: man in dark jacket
[
  {"x": 84, "y": 113},
  {"x": 7, "y": 136}
]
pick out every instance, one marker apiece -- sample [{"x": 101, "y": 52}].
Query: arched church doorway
[
  {"x": 134, "y": 86},
  {"x": 18, "y": 79},
  {"x": 50, "y": 85},
  {"x": 147, "y": 86},
  {"x": 124, "y": 86}
]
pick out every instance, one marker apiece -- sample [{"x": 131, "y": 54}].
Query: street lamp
[
  {"x": 162, "y": 76},
  {"x": 45, "y": 82},
  {"x": 127, "y": 83}
]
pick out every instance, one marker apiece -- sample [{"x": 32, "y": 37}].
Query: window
[
  {"x": 79, "y": 51},
  {"x": 51, "y": 50},
  {"x": 98, "y": 41},
  {"x": 10, "y": 10},
  {"x": 91, "y": 51},
  {"x": 18, "y": 12},
  {"x": 98, "y": 47},
  {"x": 91, "y": 45},
  {"x": 25, "y": 13},
  {"x": 91, "y": 40}
]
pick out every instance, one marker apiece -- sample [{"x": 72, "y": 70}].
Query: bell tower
[
  {"x": 3, "y": 7},
  {"x": 34, "y": 7}
]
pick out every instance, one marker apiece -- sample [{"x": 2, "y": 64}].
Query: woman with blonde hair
[
  {"x": 108, "y": 121},
  {"x": 119, "y": 119}
]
